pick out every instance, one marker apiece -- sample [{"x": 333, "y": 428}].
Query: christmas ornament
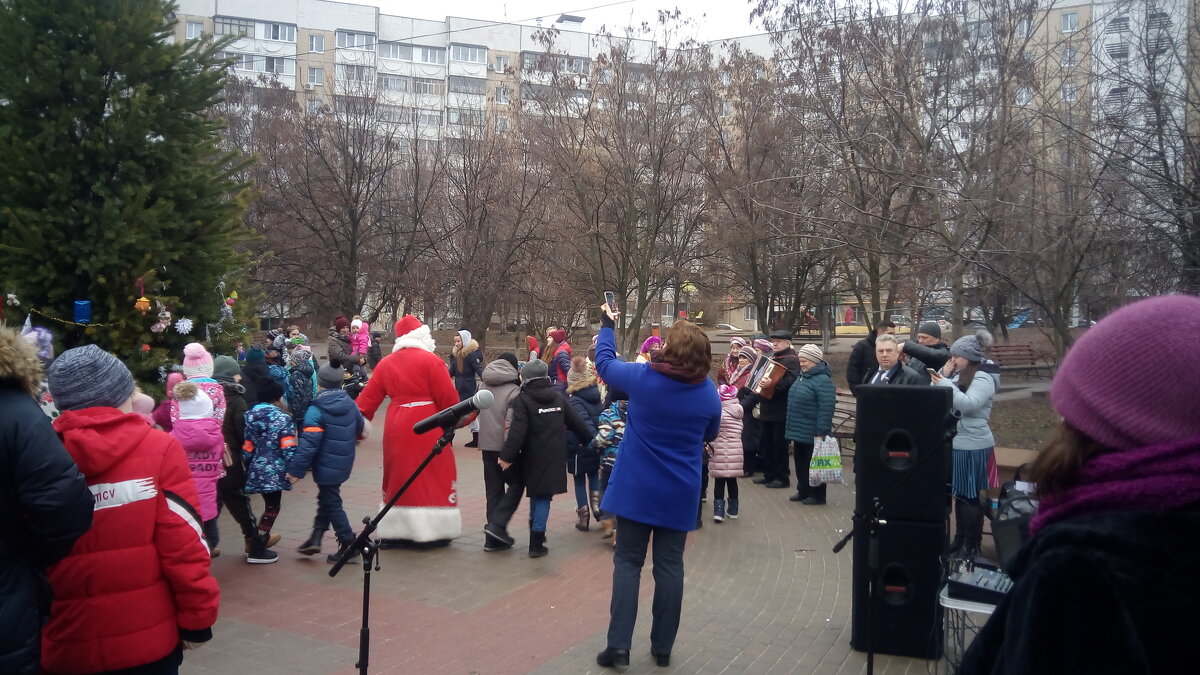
[
  {"x": 183, "y": 326},
  {"x": 159, "y": 327},
  {"x": 83, "y": 311},
  {"x": 143, "y": 303}
]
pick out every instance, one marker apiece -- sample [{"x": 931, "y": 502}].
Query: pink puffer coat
[{"x": 726, "y": 461}]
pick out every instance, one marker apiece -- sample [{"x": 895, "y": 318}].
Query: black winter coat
[
  {"x": 899, "y": 374},
  {"x": 921, "y": 357},
  {"x": 233, "y": 428},
  {"x": 537, "y": 440},
  {"x": 46, "y": 506},
  {"x": 464, "y": 380},
  {"x": 862, "y": 361},
  {"x": 1104, "y": 593},
  {"x": 582, "y": 458},
  {"x": 252, "y": 372}
]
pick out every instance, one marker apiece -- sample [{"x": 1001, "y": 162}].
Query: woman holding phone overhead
[{"x": 655, "y": 485}]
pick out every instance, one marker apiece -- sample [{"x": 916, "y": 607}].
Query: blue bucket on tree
[{"x": 83, "y": 311}]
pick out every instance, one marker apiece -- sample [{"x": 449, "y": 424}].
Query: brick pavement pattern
[{"x": 764, "y": 594}]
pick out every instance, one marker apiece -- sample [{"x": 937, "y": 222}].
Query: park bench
[
  {"x": 1022, "y": 358},
  {"x": 844, "y": 411}
]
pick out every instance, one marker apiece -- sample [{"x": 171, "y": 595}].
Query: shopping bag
[{"x": 826, "y": 463}]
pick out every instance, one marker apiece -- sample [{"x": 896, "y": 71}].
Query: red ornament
[{"x": 145, "y": 347}]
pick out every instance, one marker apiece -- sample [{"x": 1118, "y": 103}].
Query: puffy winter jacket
[
  {"x": 582, "y": 456},
  {"x": 360, "y": 342},
  {"x": 302, "y": 387},
  {"x": 331, "y": 429},
  {"x": 500, "y": 378},
  {"x": 472, "y": 367},
  {"x": 137, "y": 582},
  {"x": 726, "y": 460},
  {"x": 339, "y": 348},
  {"x": 46, "y": 507},
  {"x": 536, "y": 441},
  {"x": 975, "y": 406},
  {"x": 810, "y": 405},
  {"x": 269, "y": 445},
  {"x": 205, "y": 448}
]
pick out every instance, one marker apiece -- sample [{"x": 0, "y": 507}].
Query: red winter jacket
[{"x": 140, "y": 575}]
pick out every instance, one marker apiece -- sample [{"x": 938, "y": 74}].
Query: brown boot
[
  {"x": 595, "y": 503},
  {"x": 584, "y": 518},
  {"x": 608, "y": 528}
]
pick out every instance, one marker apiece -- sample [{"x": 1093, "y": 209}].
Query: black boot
[
  {"x": 312, "y": 545},
  {"x": 972, "y": 529},
  {"x": 613, "y": 658},
  {"x": 474, "y": 440},
  {"x": 537, "y": 544},
  {"x": 259, "y": 554},
  {"x": 343, "y": 544}
]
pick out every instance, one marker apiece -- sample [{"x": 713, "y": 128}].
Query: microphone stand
[{"x": 370, "y": 549}]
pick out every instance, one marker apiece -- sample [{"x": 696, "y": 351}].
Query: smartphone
[
  {"x": 931, "y": 371},
  {"x": 611, "y": 299}
]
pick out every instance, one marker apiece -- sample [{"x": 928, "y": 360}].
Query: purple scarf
[{"x": 1161, "y": 477}]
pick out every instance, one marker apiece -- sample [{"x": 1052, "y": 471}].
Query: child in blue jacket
[{"x": 332, "y": 427}]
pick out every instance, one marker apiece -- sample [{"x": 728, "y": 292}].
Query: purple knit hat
[
  {"x": 1152, "y": 403},
  {"x": 651, "y": 342},
  {"x": 764, "y": 346}
]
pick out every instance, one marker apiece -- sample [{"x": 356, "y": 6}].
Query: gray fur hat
[{"x": 89, "y": 377}]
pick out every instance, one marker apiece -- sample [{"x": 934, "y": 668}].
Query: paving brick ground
[{"x": 764, "y": 594}]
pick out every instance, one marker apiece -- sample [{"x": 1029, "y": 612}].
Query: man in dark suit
[
  {"x": 862, "y": 356},
  {"x": 890, "y": 370}
]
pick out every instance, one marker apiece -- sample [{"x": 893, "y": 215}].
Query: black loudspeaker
[
  {"x": 908, "y": 620},
  {"x": 901, "y": 454}
]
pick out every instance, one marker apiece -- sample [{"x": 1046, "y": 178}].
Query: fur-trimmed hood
[
  {"x": 19, "y": 362},
  {"x": 465, "y": 351}
]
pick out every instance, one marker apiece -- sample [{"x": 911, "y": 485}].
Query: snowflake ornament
[{"x": 183, "y": 326}]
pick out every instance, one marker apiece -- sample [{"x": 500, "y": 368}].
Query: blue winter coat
[
  {"x": 582, "y": 456},
  {"x": 656, "y": 479},
  {"x": 810, "y": 405},
  {"x": 331, "y": 429},
  {"x": 269, "y": 446}
]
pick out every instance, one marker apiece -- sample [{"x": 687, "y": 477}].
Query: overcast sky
[{"x": 715, "y": 19}]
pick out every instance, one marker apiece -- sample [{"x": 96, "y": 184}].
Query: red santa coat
[
  {"x": 140, "y": 575},
  {"x": 418, "y": 384}
]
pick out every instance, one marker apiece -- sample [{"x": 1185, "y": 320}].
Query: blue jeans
[
  {"x": 330, "y": 512},
  {"x": 632, "y": 540},
  {"x": 584, "y": 482},
  {"x": 539, "y": 513}
]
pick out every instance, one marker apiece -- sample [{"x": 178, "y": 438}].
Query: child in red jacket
[{"x": 144, "y": 553}]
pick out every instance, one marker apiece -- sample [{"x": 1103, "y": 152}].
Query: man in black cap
[
  {"x": 862, "y": 357},
  {"x": 928, "y": 351},
  {"x": 772, "y": 415}
]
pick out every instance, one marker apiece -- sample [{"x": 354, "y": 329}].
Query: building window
[
  {"x": 429, "y": 118},
  {"x": 1069, "y": 91},
  {"x": 432, "y": 55},
  {"x": 1024, "y": 27},
  {"x": 228, "y": 26},
  {"x": 396, "y": 113},
  {"x": 426, "y": 85},
  {"x": 316, "y": 44},
  {"x": 194, "y": 30},
  {"x": 751, "y": 313},
  {"x": 468, "y": 53},
  {"x": 280, "y": 32},
  {"x": 1069, "y": 56},
  {"x": 468, "y": 85},
  {"x": 1118, "y": 25},
  {"x": 502, "y": 124},
  {"x": 393, "y": 82},
  {"x": 1158, "y": 20},
  {"x": 503, "y": 95},
  {"x": 1117, "y": 51},
  {"x": 1070, "y": 22},
  {"x": 395, "y": 50},
  {"x": 316, "y": 76},
  {"x": 1024, "y": 96},
  {"x": 279, "y": 65},
  {"x": 502, "y": 64},
  {"x": 464, "y": 116},
  {"x": 349, "y": 73},
  {"x": 314, "y": 106},
  {"x": 352, "y": 40}
]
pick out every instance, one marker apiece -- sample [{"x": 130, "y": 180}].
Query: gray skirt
[{"x": 970, "y": 472}]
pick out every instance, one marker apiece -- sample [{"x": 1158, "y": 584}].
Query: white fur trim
[
  {"x": 421, "y": 523},
  {"x": 420, "y": 338}
]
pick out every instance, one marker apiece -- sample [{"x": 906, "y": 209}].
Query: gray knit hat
[
  {"x": 534, "y": 369},
  {"x": 330, "y": 377},
  {"x": 89, "y": 377},
  {"x": 971, "y": 347},
  {"x": 930, "y": 328}
]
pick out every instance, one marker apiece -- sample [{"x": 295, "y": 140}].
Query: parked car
[{"x": 725, "y": 326}]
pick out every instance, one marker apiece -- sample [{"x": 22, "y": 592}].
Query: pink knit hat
[
  {"x": 1124, "y": 407},
  {"x": 172, "y": 380},
  {"x": 727, "y": 392},
  {"x": 197, "y": 362},
  {"x": 652, "y": 342}
]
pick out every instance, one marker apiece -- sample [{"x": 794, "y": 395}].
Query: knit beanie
[
  {"x": 510, "y": 357},
  {"x": 255, "y": 354},
  {"x": 652, "y": 342},
  {"x": 812, "y": 353},
  {"x": 971, "y": 347},
  {"x": 736, "y": 342},
  {"x": 330, "y": 377},
  {"x": 764, "y": 346},
  {"x": 224, "y": 368},
  {"x": 194, "y": 404},
  {"x": 534, "y": 369},
  {"x": 299, "y": 355},
  {"x": 727, "y": 392},
  {"x": 172, "y": 380},
  {"x": 197, "y": 362},
  {"x": 1155, "y": 405},
  {"x": 579, "y": 376},
  {"x": 559, "y": 336},
  {"x": 407, "y": 325},
  {"x": 749, "y": 353},
  {"x": 89, "y": 377},
  {"x": 341, "y": 322},
  {"x": 465, "y": 336},
  {"x": 269, "y": 390},
  {"x": 930, "y": 328}
]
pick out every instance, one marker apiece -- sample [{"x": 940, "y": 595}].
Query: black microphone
[{"x": 448, "y": 417}]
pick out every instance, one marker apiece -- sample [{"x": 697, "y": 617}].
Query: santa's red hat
[{"x": 406, "y": 325}]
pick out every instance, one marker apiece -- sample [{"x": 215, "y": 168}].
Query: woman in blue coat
[
  {"x": 810, "y": 403},
  {"x": 655, "y": 485}
]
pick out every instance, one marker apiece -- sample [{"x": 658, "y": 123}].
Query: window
[
  {"x": 396, "y": 113},
  {"x": 393, "y": 82},
  {"x": 429, "y": 118},
  {"x": 281, "y": 32},
  {"x": 280, "y": 66},
  {"x": 315, "y": 106},
  {"x": 1158, "y": 20},
  {"x": 1070, "y": 22},
  {"x": 502, "y": 64},
  {"x": 468, "y": 53},
  {"x": 1069, "y": 56},
  {"x": 395, "y": 50},
  {"x": 1024, "y": 27},
  {"x": 503, "y": 95},
  {"x": 751, "y": 313},
  {"x": 316, "y": 44},
  {"x": 245, "y": 61},
  {"x": 1118, "y": 25},
  {"x": 316, "y": 76},
  {"x": 502, "y": 124},
  {"x": 425, "y": 85},
  {"x": 349, "y": 73},
  {"x": 1024, "y": 96},
  {"x": 432, "y": 55},
  {"x": 1116, "y": 97},
  {"x": 1069, "y": 91},
  {"x": 464, "y": 116},
  {"x": 468, "y": 85},
  {"x": 1117, "y": 51},
  {"x": 194, "y": 30},
  {"x": 228, "y": 26},
  {"x": 351, "y": 40}
]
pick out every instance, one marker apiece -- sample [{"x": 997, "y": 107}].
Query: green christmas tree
[{"x": 112, "y": 172}]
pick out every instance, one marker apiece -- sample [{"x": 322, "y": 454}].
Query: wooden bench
[
  {"x": 1019, "y": 358},
  {"x": 844, "y": 414}
]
